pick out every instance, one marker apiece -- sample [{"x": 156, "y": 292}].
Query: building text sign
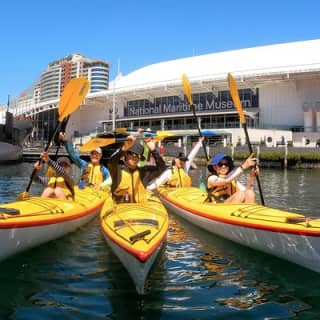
[{"x": 216, "y": 104}]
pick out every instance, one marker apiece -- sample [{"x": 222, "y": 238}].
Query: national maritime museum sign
[{"x": 203, "y": 102}]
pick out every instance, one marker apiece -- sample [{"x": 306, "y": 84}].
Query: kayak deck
[
  {"x": 195, "y": 201},
  {"x": 37, "y": 211},
  {"x": 136, "y": 227}
]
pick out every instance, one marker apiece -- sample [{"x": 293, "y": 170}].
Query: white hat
[
  {"x": 97, "y": 150},
  {"x": 65, "y": 160}
]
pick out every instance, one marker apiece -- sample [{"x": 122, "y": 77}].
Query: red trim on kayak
[
  {"x": 7, "y": 224},
  {"x": 250, "y": 225},
  {"x": 142, "y": 256}
]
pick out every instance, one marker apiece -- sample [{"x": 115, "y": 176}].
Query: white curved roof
[{"x": 272, "y": 59}]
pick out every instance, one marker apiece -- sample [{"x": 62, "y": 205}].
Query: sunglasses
[
  {"x": 221, "y": 164},
  {"x": 133, "y": 155}
]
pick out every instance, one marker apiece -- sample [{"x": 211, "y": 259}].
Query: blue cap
[{"x": 217, "y": 158}]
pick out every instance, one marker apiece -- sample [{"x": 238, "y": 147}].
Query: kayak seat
[{"x": 124, "y": 223}]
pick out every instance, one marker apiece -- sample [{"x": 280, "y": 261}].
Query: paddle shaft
[
  {"x": 188, "y": 92},
  {"x": 238, "y": 105},
  {"x": 62, "y": 129},
  {"x": 199, "y": 131},
  {"x": 45, "y": 149},
  {"x": 244, "y": 125}
]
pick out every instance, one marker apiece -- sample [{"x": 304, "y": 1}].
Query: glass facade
[{"x": 174, "y": 113}]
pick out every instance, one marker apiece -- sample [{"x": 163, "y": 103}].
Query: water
[{"x": 198, "y": 275}]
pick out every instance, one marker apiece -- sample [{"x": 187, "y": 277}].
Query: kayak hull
[
  {"x": 280, "y": 233},
  {"x": 136, "y": 233},
  {"x": 41, "y": 220}
]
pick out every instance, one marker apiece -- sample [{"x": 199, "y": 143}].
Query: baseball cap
[
  {"x": 136, "y": 148},
  {"x": 182, "y": 156}
]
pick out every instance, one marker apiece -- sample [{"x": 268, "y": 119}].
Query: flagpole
[{"x": 114, "y": 98}]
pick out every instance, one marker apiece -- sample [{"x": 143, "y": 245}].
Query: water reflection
[
  {"x": 197, "y": 275},
  {"x": 228, "y": 279}
]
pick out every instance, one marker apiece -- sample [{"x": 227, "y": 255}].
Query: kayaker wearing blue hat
[
  {"x": 93, "y": 173},
  {"x": 222, "y": 184}
]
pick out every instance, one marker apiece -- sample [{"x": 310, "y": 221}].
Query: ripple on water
[{"x": 197, "y": 276}]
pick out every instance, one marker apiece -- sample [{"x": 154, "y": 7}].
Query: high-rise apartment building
[
  {"x": 53, "y": 80},
  {"x": 40, "y": 100}
]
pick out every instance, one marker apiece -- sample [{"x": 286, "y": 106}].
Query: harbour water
[{"x": 198, "y": 275}]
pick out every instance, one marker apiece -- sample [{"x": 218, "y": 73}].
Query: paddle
[
  {"x": 72, "y": 96},
  {"x": 237, "y": 103},
  {"x": 188, "y": 92},
  {"x": 103, "y": 142}
]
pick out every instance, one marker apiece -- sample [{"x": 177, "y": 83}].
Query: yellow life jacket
[
  {"x": 223, "y": 192},
  {"x": 179, "y": 178},
  {"x": 51, "y": 172},
  {"x": 130, "y": 188},
  {"x": 55, "y": 182},
  {"x": 93, "y": 174}
]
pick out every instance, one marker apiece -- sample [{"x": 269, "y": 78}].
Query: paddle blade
[
  {"x": 160, "y": 135},
  {"x": 121, "y": 130},
  {"x": 95, "y": 143},
  {"x": 187, "y": 88},
  {"x": 235, "y": 98},
  {"x": 72, "y": 96},
  {"x": 23, "y": 196}
]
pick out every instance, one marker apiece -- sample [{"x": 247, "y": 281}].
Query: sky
[{"x": 135, "y": 33}]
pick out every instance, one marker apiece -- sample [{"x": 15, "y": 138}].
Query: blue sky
[{"x": 141, "y": 32}]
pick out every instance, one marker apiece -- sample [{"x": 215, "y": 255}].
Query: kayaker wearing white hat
[
  {"x": 93, "y": 173},
  {"x": 58, "y": 183}
]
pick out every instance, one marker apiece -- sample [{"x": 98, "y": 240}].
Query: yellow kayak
[
  {"x": 27, "y": 223},
  {"x": 135, "y": 232},
  {"x": 285, "y": 234}
]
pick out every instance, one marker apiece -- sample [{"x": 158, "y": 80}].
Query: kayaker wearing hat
[
  {"x": 93, "y": 173},
  {"x": 178, "y": 174},
  {"x": 222, "y": 184},
  {"x": 130, "y": 180},
  {"x": 59, "y": 184}
]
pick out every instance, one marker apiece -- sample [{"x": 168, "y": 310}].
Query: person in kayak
[
  {"x": 92, "y": 173},
  {"x": 129, "y": 181},
  {"x": 222, "y": 181},
  {"x": 58, "y": 182},
  {"x": 178, "y": 175}
]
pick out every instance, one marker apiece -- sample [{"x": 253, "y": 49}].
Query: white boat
[
  {"x": 10, "y": 152},
  {"x": 136, "y": 233},
  {"x": 287, "y": 235},
  {"x": 12, "y": 137},
  {"x": 34, "y": 221}
]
